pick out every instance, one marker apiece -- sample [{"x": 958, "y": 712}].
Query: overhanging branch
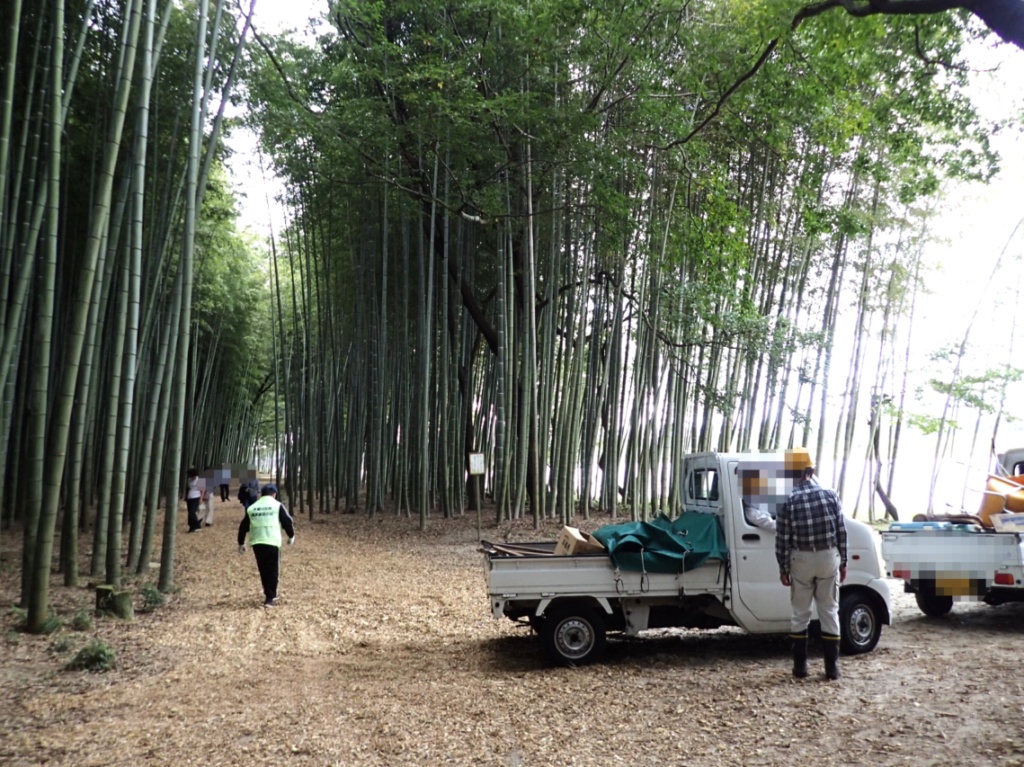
[
  {"x": 1004, "y": 17},
  {"x": 280, "y": 70}
]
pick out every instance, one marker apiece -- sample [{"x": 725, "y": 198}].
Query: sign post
[{"x": 476, "y": 470}]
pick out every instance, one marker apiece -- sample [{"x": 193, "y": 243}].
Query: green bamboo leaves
[
  {"x": 628, "y": 303},
  {"x": 89, "y": 183}
]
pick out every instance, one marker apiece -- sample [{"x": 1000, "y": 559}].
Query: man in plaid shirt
[{"x": 810, "y": 546}]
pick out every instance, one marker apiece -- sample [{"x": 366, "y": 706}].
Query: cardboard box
[
  {"x": 572, "y": 542},
  {"x": 1008, "y": 523}
]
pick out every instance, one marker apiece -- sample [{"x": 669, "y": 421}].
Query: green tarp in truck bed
[{"x": 667, "y": 546}]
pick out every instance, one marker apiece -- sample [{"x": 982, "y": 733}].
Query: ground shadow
[
  {"x": 1001, "y": 619},
  {"x": 674, "y": 648}
]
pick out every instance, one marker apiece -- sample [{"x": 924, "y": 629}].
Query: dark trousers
[
  {"x": 192, "y": 504},
  {"x": 268, "y": 560},
  {"x": 225, "y": 492}
]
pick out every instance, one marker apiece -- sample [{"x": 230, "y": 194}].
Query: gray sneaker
[{"x": 271, "y": 602}]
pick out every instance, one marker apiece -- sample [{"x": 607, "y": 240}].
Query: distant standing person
[
  {"x": 810, "y": 546},
  {"x": 193, "y": 496},
  {"x": 208, "y": 498},
  {"x": 263, "y": 522},
  {"x": 225, "y": 482}
]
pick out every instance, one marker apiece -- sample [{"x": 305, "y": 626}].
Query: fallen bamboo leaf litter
[{"x": 383, "y": 652}]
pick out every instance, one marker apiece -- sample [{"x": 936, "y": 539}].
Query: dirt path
[{"x": 383, "y": 652}]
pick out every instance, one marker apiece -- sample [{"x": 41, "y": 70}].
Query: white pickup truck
[
  {"x": 960, "y": 558},
  {"x": 573, "y": 601}
]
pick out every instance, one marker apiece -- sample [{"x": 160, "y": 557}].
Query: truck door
[{"x": 755, "y": 569}]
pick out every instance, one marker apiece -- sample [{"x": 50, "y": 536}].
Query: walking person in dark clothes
[
  {"x": 263, "y": 522},
  {"x": 248, "y": 487}
]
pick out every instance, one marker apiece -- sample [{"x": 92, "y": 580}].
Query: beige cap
[{"x": 799, "y": 459}]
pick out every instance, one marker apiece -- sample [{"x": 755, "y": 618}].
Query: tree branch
[
  {"x": 280, "y": 70},
  {"x": 932, "y": 62},
  {"x": 725, "y": 97},
  {"x": 1004, "y": 17}
]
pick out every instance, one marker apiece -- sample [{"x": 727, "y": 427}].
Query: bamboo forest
[{"x": 584, "y": 239}]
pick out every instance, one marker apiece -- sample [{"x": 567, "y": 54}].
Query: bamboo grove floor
[{"x": 383, "y": 652}]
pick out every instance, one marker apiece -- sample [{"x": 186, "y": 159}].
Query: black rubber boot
[
  {"x": 831, "y": 646},
  {"x": 799, "y": 655}
]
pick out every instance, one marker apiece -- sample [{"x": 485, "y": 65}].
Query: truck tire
[
  {"x": 573, "y": 634},
  {"x": 860, "y": 625},
  {"x": 933, "y": 604}
]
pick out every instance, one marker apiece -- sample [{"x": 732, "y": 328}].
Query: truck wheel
[
  {"x": 932, "y": 604},
  {"x": 573, "y": 635},
  {"x": 859, "y": 624}
]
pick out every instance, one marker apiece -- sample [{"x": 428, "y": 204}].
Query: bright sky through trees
[
  {"x": 253, "y": 186},
  {"x": 972, "y": 229}
]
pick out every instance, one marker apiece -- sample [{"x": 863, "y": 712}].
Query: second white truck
[
  {"x": 573, "y": 602},
  {"x": 963, "y": 558}
]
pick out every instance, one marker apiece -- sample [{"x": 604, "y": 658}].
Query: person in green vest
[{"x": 263, "y": 522}]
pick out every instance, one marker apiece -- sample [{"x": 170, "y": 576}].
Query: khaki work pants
[{"x": 815, "y": 578}]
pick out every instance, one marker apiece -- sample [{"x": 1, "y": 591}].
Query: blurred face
[
  {"x": 754, "y": 484},
  {"x": 766, "y": 482}
]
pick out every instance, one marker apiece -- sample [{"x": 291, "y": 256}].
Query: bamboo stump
[{"x": 112, "y": 602}]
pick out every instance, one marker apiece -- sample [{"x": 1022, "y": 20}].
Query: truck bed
[
  {"x": 952, "y": 549},
  {"x": 959, "y": 563},
  {"x": 533, "y": 577}
]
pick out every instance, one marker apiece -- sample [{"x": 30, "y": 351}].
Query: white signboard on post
[{"x": 476, "y": 463}]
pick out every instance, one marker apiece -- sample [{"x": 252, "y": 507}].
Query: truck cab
[{"x": 758, "y": 598}]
